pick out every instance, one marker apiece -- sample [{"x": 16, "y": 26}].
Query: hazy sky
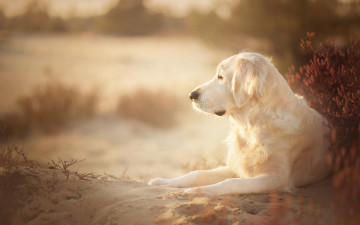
[{"x": 91, "y": 7}]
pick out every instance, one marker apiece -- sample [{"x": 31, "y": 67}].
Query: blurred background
[{"x": 108, "y": 81}]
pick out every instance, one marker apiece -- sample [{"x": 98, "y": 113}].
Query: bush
[
  {"x": 156, "y": 108},
  {"x": 49, "y": 108},
  {"x": 330, "y": 81}
]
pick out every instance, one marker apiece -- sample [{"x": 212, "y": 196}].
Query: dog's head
[{"x": 238, "y": 79}]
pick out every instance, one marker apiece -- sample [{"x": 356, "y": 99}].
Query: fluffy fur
[{"x": 277, "y": 141}]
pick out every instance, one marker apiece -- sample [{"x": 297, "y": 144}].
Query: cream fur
[{"x": 277, "y": 141}]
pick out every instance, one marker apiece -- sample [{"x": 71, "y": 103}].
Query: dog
[{"x": 277, "y": 142}]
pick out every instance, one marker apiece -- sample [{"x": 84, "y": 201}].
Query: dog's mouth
[
  {"x": 201, "y": 107},
  {"x": 220, "y": 113}
]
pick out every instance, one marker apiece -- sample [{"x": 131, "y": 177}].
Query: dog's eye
[{"x": 220, "y": 77}]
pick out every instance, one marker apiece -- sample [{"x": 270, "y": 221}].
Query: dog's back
[{"x": 310, "y": 163}]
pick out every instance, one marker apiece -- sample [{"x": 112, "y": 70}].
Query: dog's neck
[
  {"x": 247, "y": 116},
  {"x": 258, "y": 112}
]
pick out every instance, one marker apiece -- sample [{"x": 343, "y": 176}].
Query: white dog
[{"x": 277, "y": 141}]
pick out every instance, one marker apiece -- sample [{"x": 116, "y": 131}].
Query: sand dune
[{"x": 45, "y": 196}]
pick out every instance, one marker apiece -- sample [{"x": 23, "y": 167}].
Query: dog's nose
[{"x": 194, "y": 95}]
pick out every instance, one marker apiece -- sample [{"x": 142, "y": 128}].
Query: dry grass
[
  {"x": 11, "y": 154},
  {"x": 64, "y": 166},
  {"x": 156, "y": 108},
  {"x": 49, "y": 108}
]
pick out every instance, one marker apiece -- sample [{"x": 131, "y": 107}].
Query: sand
[{"x": 38, "y": 196}]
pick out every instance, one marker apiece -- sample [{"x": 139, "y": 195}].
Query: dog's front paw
[
  {"x": 174, "y": 183},
  {"x": 158, "y": 181}
]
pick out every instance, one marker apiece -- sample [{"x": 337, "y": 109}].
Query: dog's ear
[{"x": 247, "y": 81}]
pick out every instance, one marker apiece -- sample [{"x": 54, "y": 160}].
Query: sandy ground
[
  {"x": 112, "y": 146},
  {"x": 45, "y": 196}
]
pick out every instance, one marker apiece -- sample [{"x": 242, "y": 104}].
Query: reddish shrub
[{"x": 331, "y": 84}]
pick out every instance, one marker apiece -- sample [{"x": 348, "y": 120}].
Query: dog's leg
[
  {"x": 196, "y": 178},
  {"x": 260, "y": 184}
]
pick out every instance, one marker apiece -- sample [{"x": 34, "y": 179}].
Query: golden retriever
[{"x": 277, "y": 141}]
